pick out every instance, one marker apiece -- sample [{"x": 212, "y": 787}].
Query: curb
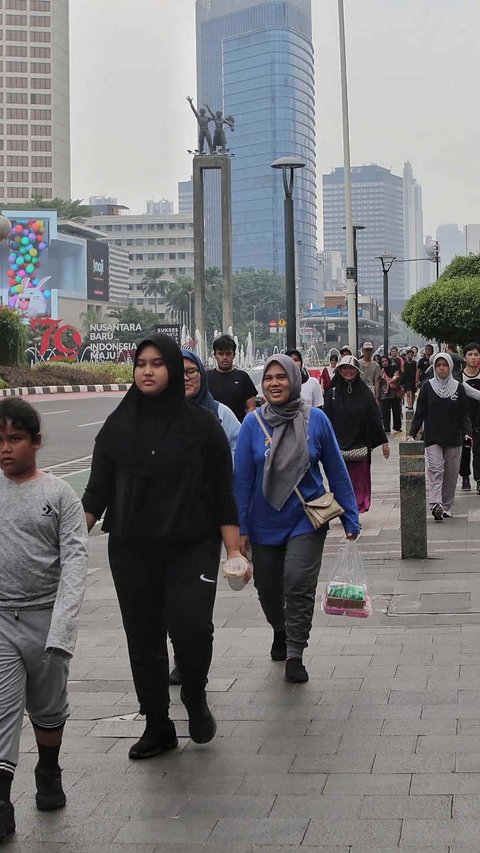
[{"x": 62, "y": 389}]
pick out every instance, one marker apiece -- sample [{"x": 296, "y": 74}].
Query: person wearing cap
[
  {"x": 370, "y": 370},
  {"x": 345, "y": 350},
  {"x": 357, "y": 424},
  {"x": 311, "y": 390}
]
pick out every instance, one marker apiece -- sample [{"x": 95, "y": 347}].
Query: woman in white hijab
[{"x": 442, "y": 408}]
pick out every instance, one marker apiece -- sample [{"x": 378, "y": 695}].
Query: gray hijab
[
  {"x": 444, "y": 387},
  {"x": 288, "y": 459}
]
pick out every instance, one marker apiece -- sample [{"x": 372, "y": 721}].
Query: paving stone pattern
[{"x": 380, "y": 751}]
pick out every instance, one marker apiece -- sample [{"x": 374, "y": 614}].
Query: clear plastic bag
[
  {"x": 238, "y": 572},
  {"x": 346, "y": 591}
]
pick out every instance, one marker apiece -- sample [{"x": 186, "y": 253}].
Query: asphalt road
[{"x": 70, "y": 424}]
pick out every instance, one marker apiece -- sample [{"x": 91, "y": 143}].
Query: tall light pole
[
  {"x": 386, "y": 261},
  {"x": 270, "y": 302},
  {"x": 355, "y": 264},
  {"x": 347, "y": 179},
  {"x": 288, "y": 165},
  {"x": 190, "y": 313}
]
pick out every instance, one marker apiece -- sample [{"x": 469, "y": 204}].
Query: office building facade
[
  {"x": 35, "y": 130},
  {"x": 185, "y": 197},
  {"x": 416, "y": 274},
  {"x": 153, "y": 242},
  {"x": 451, "y": 242},
  {"x": 377, "y": 201},
  {"x": 255, "y": 62}
]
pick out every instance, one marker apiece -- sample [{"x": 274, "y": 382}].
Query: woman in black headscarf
[
  {"x": 355, "y": 418},
  {"x": 162, "y": 470}
]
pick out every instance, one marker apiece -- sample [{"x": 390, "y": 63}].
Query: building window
[
  {"x": 40, "y": 130},
  {"x": 16, "y": 160},
  {"x": 40, "y": 52},
  {"x": 17, "y": 177},
  {"x": 41, "y": 115},
  {"x": 39, "y": 5},
  {"x": 16, "y": 35},
  {"x": 43, "y": 192},
  {"x": 16, "y": 50},
  {"x": 171, "y": 256},
  {"x": 40, "y": 99},
  {"x": 16, "y": 20},
  {"x": 39, "y": 68},
  {"x": 41, "y": 177},
  {"x": 16, "y": 4},
  {"x": 17, "y": 192},
  {"x": 17, "y": 67},
  {"x": 40, "y": 83},
  {"x": 40, "y": 20},
  {"x": 18, "y": 114},
  {"x": 16, "y": 82},
  {"x": 17, "y": 144},
  {"x": 41, "y": 145},
  {"x": 40, "y": 36},
  {"x": 42, "y": 161},
  {"x": 17, "y": 129}
]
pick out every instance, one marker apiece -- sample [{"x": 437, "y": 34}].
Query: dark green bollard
[{"x": 413, "y": 509}]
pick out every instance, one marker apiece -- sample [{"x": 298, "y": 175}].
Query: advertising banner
[{"x": 97, "y": 271}]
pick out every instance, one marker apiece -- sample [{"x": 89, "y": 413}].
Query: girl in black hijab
[
  {"x": 355, "y": 418},
  {"x": 162, "y": 470}
]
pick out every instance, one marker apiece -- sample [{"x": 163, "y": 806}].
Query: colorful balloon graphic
[{"x": 28, "y": 240}]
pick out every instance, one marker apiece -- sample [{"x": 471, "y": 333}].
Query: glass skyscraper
[{"x": 255, "y": 61}]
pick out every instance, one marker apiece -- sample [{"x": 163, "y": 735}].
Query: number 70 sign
[{"x": 53, "y": 338}]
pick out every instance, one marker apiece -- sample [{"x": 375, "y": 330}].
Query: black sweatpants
[
  {"x": 391, "y": 406},
  {"x": 475, "y": 452},
  {"x": 163, "y": 591}
]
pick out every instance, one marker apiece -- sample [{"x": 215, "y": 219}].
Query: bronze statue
[
  {"x": 203, "y": 129},
  {"x": 219, "y": 140}
]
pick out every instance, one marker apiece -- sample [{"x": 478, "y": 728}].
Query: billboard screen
[{"x": 97, "y": 271}]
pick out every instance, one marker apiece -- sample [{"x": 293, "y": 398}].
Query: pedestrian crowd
[{"x": 190, "y": 461}]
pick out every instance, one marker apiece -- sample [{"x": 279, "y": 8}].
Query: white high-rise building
[
  {"x": 416, "y": 276},
  {"x": 35, "y": 100}
]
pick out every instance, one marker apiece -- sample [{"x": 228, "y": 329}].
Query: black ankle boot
[
  {"x": 7, "y": 819},
  {"x": 201, "y": 722},
  {"x": 159, "y": 736},
  {"x": 279, "y": 646},
  {"x": 295, "y": 671},
  {"x": 50, "y": 794}
]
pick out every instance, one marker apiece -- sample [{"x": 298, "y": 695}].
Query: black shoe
[
  {"x": 50, "y": 794},
  {"x": 279, "y": 646},
  {"x": 437, "y": 512},
  {"x": 466, "y": 487},
  {"x": 295, "y": 671},
  {"x": 158, "y": 737},
  {"x": 7, "y": 819},
  {"x": 201, "y": 722},
  {"x": 478, "y": 487},
  {"x": 175, "y": 676}
]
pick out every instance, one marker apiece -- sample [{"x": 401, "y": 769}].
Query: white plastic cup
[{"x": 237, "y": 572}]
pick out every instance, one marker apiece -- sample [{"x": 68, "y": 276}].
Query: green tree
[
  {"x": 448, "y": 310},
  {"x": 133, "y": 316},
  {"x": 264, "y": 289},
  {"x": 152, "y": 286},
  {"x": 177, "y": 293},
  {"x": 72, "y": 209},
  {"x": 88, "y": 318},
  {"x": 13, "y": 337}
]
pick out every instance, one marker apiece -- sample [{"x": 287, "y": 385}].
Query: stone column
[{"x": 413, "y": 506}]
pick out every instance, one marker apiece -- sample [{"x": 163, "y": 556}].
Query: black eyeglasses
[{"x": 190, "y": 372}]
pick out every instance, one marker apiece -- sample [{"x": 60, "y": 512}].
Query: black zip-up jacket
[{"x": 445, "y": 419}]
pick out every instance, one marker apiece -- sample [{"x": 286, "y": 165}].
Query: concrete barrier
[{"x": 413, "y": 508}]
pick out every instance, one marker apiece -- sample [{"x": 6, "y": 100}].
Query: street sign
[{"x": 282, "y": 323}]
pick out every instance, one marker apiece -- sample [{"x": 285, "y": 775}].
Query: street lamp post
[
  {"x": 386, "y": 261},
  {"x": 355, "y": 228},
  {"x": 190, "y": 312},
  {"x": 270, "y": 302},
  {"x": 288, "y": 165}
]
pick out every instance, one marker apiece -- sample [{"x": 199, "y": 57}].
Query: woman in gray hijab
[{"x": 278, "y": 450}]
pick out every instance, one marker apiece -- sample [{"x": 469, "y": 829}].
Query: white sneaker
[{"x": 447, "y": 513}]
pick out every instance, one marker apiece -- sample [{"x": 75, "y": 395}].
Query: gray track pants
[
  {"x": 285, "y": 577},
  {"x": 443, "y": 465},
  {"x": 29, "y": 678}
]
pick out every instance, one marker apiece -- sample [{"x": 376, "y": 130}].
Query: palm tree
[{"x": 152, "y": 286}]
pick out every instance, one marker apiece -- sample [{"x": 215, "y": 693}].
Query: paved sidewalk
[{"x": 380, "y": 751}]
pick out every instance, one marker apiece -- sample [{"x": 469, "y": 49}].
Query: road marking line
[
  {"x": 92, "y": 423},
  {"x": 60, "y": 412}
]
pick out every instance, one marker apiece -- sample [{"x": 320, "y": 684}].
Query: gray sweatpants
[
  {"x": 30, "y": 678},
  {"x": 443, "y": 465},
  {"x": 285, "y": 577}
]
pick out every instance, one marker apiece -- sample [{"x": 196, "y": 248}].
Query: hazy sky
[{"x": 413, "y": 92}]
